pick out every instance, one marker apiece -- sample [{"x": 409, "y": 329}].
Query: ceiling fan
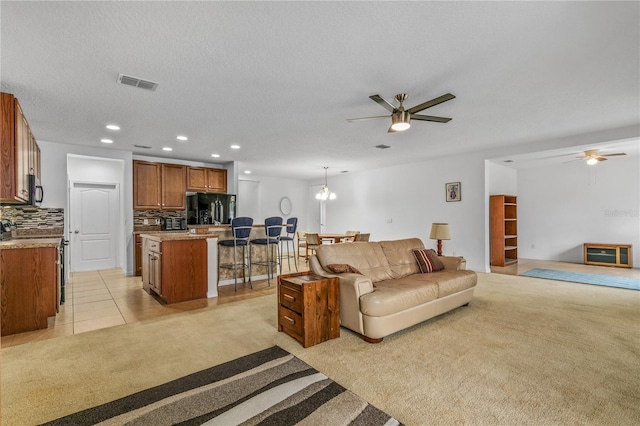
[
  {"x": 401, "y": 117},
  {"x": 593, "y": 156}
]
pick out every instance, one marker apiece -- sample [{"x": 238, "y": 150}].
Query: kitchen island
[{"x": 181, "y": 266}]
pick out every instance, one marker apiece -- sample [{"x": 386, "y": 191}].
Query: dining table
[{"x": 337, "y": 238}]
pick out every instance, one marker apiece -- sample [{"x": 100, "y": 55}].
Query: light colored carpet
[{"x": 524, "y": 351}]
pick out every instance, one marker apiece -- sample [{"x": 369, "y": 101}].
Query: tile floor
[{"x": 106, "y": 298}]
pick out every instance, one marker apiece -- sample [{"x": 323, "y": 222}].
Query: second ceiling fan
[{"x": 401, "y": 117}]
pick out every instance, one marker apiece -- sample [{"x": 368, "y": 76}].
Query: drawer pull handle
[
  {"x": 291, "y": 320},
  {"x": 290, "y": 297}
]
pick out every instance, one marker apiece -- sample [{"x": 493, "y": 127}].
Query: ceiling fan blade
[
  {"x": 432, "y": 102},
  {"x": 383, "y": 102},
  {"x": 367, "y": 118},
  {"x": 613, "y": 155},
  {"x": 430, "y": 118},
  {"x": 601, "y": 158},
  {"x": 391, "y": 130}
]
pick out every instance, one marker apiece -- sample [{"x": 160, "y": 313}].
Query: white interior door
[{"x": 93, "y": 226}]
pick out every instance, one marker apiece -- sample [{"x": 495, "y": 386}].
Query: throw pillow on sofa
[
  {"x": 339, "y": 268},
  {"x": 428, "y": 260}
]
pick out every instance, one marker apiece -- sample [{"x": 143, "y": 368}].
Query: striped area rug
[
  {"x": 582, "y": 278},
  {"x": 270, "y": 387}
]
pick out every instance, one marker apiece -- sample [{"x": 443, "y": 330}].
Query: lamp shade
[{"x": 440, "y": 231}]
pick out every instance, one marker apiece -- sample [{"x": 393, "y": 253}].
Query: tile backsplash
[
  {"x": 139, "y": 216},
  {"x": 33, "y": 220},
  {"x": 24, "y": 217}
]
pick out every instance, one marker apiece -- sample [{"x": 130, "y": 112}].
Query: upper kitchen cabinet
[
  {"x": 201, "y": 179},
  {"x": 159, "y": 186},
  {"x": 19, "y": 153}
]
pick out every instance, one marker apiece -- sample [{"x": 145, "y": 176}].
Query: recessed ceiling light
[
  {"x": 235, "y": 146},
  {"x": 248, "y": 172},
  {"x": 106, "y": 141},
  {"x": 113, "y": 127},
  {"x": 215, "y": 155},
  {"x": 182, "y": 138},
  {"x": 166, "y": 148}
]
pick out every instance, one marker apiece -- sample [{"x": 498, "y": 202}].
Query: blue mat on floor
[{"x": 582, "y": 278}]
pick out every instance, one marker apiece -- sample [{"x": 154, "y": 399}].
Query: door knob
[{"x": 76, "y": 232}]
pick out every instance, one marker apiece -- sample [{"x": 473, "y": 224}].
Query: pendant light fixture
[{"x": 325, "y": 193}]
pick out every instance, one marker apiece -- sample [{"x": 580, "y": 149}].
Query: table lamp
[{"x": 440, "y": 231}]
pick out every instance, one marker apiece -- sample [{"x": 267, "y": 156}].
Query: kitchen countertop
[
  {"x": 174, "y": 236},
  {"x": 22, "y": 243}
]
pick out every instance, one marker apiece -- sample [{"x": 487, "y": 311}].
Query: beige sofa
[{"x": 390, "y": 293}]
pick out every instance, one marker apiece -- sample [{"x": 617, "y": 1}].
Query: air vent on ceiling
[
  {"x": 142, "y": 146},
  {"x": 381, "y": 146},
  {"x": 137, "y": 82}
]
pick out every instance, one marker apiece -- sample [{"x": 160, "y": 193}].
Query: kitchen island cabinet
[
  {"x": 29, "y": 283},
  {"x": 179, "y": 267}
]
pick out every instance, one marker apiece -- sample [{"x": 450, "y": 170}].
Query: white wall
[
  {"x": 412, "y": 197},
  {"x": 501, "y": 179},
  {"x": 272, "y": 190},
  {"x": 562, "y": 207}
]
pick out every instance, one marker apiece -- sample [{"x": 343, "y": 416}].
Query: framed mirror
[{"x": 285, "y": 206}]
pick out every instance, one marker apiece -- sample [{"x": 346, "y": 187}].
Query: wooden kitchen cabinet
[
  {"x": 202, "y": 179},
  {"x": 19, "y": 152},
  {"x": 175, "y": 270},
  {"x": 30, "y": 290},
  {"x": 159, "y": 186},
  {"x": 138, "y": 255}
]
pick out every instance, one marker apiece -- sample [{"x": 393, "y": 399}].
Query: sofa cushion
[
  {"x": 368, "y": 258},
  {"x": 427, "y": 260},
  {"x": 399, "y": 254},
  {"x": 450, "y": 282},
  {"x": 392, "y": 296}
]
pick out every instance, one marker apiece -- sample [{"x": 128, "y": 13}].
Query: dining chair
[
  {"x": 302, "y": 243},
  {"x": 361, "y": 237},
  {"x": 313, "y": 242},
  {"x": 350, "y": 239}
]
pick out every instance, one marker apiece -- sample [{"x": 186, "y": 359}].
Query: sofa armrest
[
  {"x": 352, "y": 286},
  {"x": 454, "y": 262}
]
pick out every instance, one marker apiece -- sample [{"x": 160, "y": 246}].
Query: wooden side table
[{"x": 309, "y": 307}]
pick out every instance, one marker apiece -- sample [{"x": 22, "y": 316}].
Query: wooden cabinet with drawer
[{"x": 309, "y": 307}]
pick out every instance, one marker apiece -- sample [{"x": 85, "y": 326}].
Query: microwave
[{"x": 36, "y": 192}]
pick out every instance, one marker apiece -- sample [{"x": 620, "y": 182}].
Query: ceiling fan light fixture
[
  {"x": 592, "y": 161},
  {"x": 400, "y": 121}
]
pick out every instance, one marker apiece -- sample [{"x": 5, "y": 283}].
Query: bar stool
[
  {"x": 241, "y": 230},
  {"x": 272, "y": 230},
  {"x": 292, "y": 225}
]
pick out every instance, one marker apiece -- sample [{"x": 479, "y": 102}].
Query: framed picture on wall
[{"x": 454, "y": 191}]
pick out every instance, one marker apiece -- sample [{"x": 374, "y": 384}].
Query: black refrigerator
[{"x": 210, "y": 209}]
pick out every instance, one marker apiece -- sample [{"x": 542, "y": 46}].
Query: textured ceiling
[{"x": 281, "y": 78}]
